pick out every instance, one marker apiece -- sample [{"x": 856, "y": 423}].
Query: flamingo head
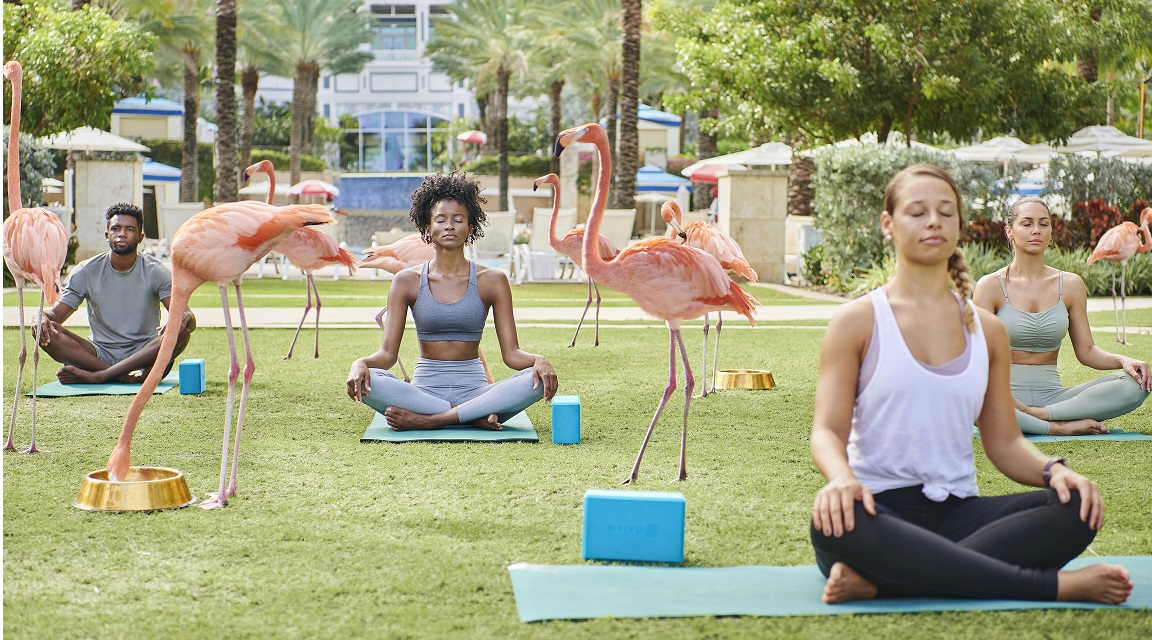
[
  {"x": 551, "y": 179},
  {"x": 1146, "y": 216},
  {"x": 583, "y": 133},
  {"x": 263, "y": 165},
  {"x": 12, "y": 71},
  {"x": 670, "y": 211}
]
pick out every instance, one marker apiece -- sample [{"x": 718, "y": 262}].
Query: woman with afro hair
[{"x": 450, "y": 298}]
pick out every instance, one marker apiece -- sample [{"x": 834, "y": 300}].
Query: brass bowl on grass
[
  {"x": 744, "y": 379},
  {"x": 143, "y": 489}
]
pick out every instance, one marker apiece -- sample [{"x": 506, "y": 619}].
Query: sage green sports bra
[{"x": 1035, "y": 332}]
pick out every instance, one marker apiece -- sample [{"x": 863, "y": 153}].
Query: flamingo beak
[
  {"x": 683, "y": 236},
  {"x": 560, "y": 144}
]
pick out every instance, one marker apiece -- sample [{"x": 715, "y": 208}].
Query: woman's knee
[{"x": 1130, "y": 394}]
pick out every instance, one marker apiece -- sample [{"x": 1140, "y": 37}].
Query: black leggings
[{"x": 1003, "y": 547}]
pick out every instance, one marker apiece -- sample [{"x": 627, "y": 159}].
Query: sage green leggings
[{"x": 1111, "y": 395}]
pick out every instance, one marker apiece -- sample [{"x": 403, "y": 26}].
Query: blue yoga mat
[
  {"x": 56, "y": 390},
  {"x": 556, "y": 592},
  {"x": 518, "y": 428},
  {"x": 1114, "y": 434}
]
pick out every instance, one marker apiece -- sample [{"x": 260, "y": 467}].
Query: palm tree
[
  {"x": 491, "y": 37},
  {"x": 227, "y": 174},
  {"x": 629, "y": 155},
  {"x": 315, "y": 35},
  {"x": 254, "y": 60}
]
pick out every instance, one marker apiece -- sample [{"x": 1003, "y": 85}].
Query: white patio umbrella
[
  {"x": 89, "y": 139},
  {"x": 1103, "y": 140},
  {"x": 1002, "y": 149},
  {"x": 895, "y": 139},
  {"x": 770, "y": 153}
]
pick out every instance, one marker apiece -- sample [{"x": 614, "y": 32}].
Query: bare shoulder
[
  {"x": 1074, "y": 287},
  {"x": 489, "y": 276},
  {"x": 992, "y": 326},
  {"x": 407, "y": 279},
  {"x": 852, "y": 322},
  {"x": 989, "y": 281}
]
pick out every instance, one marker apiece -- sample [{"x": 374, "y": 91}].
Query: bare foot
[
  {"x": 1103, "y": 583},
  {"x": 845, "y": 585},
  {"x": 489, "y": 423},
  {"x": 405, "y": 420},
  {"x": 73, "y": 375},
  {"x": 1085, "y": 427}
]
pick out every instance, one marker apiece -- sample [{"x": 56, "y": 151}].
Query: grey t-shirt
[{"x": 123, "y": 308}]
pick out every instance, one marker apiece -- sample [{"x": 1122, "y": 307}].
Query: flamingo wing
[
  {"x": 35, "y": 247},
  {"x": 720, "y": 245},
  {"x": 572, "y": 244},
  {"x": 1117, "y": 244},
  {"x": 309, "y": 248}
]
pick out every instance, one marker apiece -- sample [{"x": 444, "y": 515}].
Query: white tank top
[{"x": 913, "y": 426}]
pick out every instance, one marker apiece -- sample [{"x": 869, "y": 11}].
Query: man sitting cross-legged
[{"x": 124, "y": 290}]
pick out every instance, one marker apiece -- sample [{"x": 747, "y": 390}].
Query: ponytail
[{"x": 962, "y": 280}]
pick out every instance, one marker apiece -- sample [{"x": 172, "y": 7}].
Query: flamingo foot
[
  {"x": 32, "y": 448},
  {"x": 9, "y": 446},
  {"x": 632, "y": 479},
  {"x": 213, "y": 501},
  {"x": 683, "y": 475}
]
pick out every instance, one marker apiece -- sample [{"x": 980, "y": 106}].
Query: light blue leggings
[
  {"x": 1108, "y": 396},
  {"x": 439, "y": 385}
]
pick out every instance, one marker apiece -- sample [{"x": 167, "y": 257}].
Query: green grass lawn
[{"x": 336, "y": 539}]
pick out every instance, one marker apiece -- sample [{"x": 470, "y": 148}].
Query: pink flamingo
[
  {"x": 668, "y": 280},
  {"x": 35, "y": 245},
  {"x": 307, "y": 249},
  {"x": 216, "y": 245},
  {"x": 719, "y": 245},
  {"x": 571, "y": 245},
  {"x": 1118, "y": 244}
]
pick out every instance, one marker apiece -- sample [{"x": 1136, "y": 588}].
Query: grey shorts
[{"x": 113, "y": 355}]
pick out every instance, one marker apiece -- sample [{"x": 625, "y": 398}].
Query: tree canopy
[{"x": 77, "y": 64}]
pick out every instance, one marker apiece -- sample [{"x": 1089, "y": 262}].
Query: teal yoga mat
[
  {"x": 56, "y": 390},
  {"x": 553, "y": 592},
  {"x": 518, "y": 428},
  {"x": 1114, "y": 434}
]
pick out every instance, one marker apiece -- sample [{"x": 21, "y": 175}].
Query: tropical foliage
[{"x": 36, "y": 163}]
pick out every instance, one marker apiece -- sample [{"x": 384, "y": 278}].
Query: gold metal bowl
[
  {"x": 143, "y": 489},
  {"x": 744, "y": 379}
]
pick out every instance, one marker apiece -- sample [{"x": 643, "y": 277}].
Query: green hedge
[
  {"x": 531, "y": 166},
  {"x": 1079, "y": 179}
]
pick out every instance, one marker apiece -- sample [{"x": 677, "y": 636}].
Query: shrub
[
  {"x": 1089, "y": 221},
  {"x": 1082, "y": 179},
  {"x": 811, "y": 270},
  {"x": 36, "y": 163},
  {"x": 531, "y": 166},
  {"x": 281, "y": 160},
  {"x": 981, "y": 259},
  {"x": 987, "y": 232}
]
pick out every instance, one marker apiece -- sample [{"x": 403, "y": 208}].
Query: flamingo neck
[
  {"x": 1145, "y": 240},
  {"x": 14, "y": 201},
  {"x": 271, "y": 183},
  {"x": 553, "y": 239},
  {"x": 591, "y": 248}
]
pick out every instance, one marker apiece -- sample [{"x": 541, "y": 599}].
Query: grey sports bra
[
  {"x": 1035, "y": 332},
  {"x": 437, "y": 321}
]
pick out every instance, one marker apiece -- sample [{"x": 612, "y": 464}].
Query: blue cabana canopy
[
  {"x": 651, "y": 114},
  {"x": 140, "y": 106},
  {"x": 159, "y": 172},
  {"x": 650, "y": 178}
]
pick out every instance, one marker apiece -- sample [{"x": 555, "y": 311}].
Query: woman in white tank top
[{"x": 904, "y": 373}]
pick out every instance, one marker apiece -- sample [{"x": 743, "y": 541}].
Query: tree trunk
[
  {"x": 554, "y": 119},
  {"x": 610, "y": 108},
  {"x": 1086, "y": 65},
  {"x": 1110, "y": 111},
  {"x": 492, "y": 123},
  {"x": 310, "y": 112},
  {"x": 77, "y": 5},
  {"x": 885, "y": 128},
  {"x": 800, "y": 193},
  {"x": 189, "y": 154},
  {"x": 502, "y": 77},
  {"x": 296, "y": 136},
  {"x": 227, "y": 174},
  {"x": 629, "y": 105},
  {"x": 705, "y": 148},
  {"x": 249, "y": 83}
]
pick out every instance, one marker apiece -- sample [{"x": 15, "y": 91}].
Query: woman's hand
[
  {"x": 1063, "y": 480},
  {"x": 835, "y": 509},
  {"x": 1139, "y": 371},
  {"x": 359, "y": 380},
  {"x": 543, "y": 373}
]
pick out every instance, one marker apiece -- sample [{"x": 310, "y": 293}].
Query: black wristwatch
[{"x": 1047, "y": 472}]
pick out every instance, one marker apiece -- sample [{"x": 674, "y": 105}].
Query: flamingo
[
  {"x": 719, "y": 245},
  {"x": 668, "y": 280},
  {"x": 216, "y": 245},
  {"x": 571, "y": 245},
  {"x": 1118, "y": 244},
  {"x": 307, "y": 249},
  {"x": 35, "y": 246}
]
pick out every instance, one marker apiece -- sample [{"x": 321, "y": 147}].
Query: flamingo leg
[
  {"x": 689, "y": 383},
  {"x": 704, "y": 391},
  {"x": 715, "y": 353},
  {"x": 1115, "y": 309},
  {"x": 249, "y": 369},
  {"x": 582, "y": 315},
  {"x": 316, "y": 352},
  {"x": 380, "y": 322},
  {"x": 659, "y": 408},
  {"x": 1123, "y": 320},
  {"x": 21, "y": 358},
  {"x": 35, "y": 365},
  {"x": 307, "y": 308},
  {"x": 596, "y": 342},
  {"x": 219, "y": 498}
]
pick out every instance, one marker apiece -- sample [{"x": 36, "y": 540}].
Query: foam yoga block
[
  {"x": 566, "y": 420},
  {"x": 636, "y": 526},
  {"x": 193, "y": 376}
]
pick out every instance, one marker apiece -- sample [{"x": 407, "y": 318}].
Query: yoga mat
[
  {"x": 554, "y": 592},
  {"x": 56, "y": 390},
  {"x": 518, "y": 428},
  {"x": 1114, "y": 434}
]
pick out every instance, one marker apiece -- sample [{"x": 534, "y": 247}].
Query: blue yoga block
[
  {"x": 565, "y": 419},
  {"x": 636, "y": 526},
  {"x": 193, "y": 376}
]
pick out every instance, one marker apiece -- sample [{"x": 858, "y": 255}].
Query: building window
[
  {"x": 347, "y": 83},
  {"x": 395, "y": 141},
  {"x": 391, "y": 82},
  {"x": 394, "y": 26}
]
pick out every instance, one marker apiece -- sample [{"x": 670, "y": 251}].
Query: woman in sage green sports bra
[{"x": 1038, "y": 306}]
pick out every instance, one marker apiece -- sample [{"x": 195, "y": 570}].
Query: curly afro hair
[
  {"x": 125, "y": 209},
  {"x": 453, "y": 186}
]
